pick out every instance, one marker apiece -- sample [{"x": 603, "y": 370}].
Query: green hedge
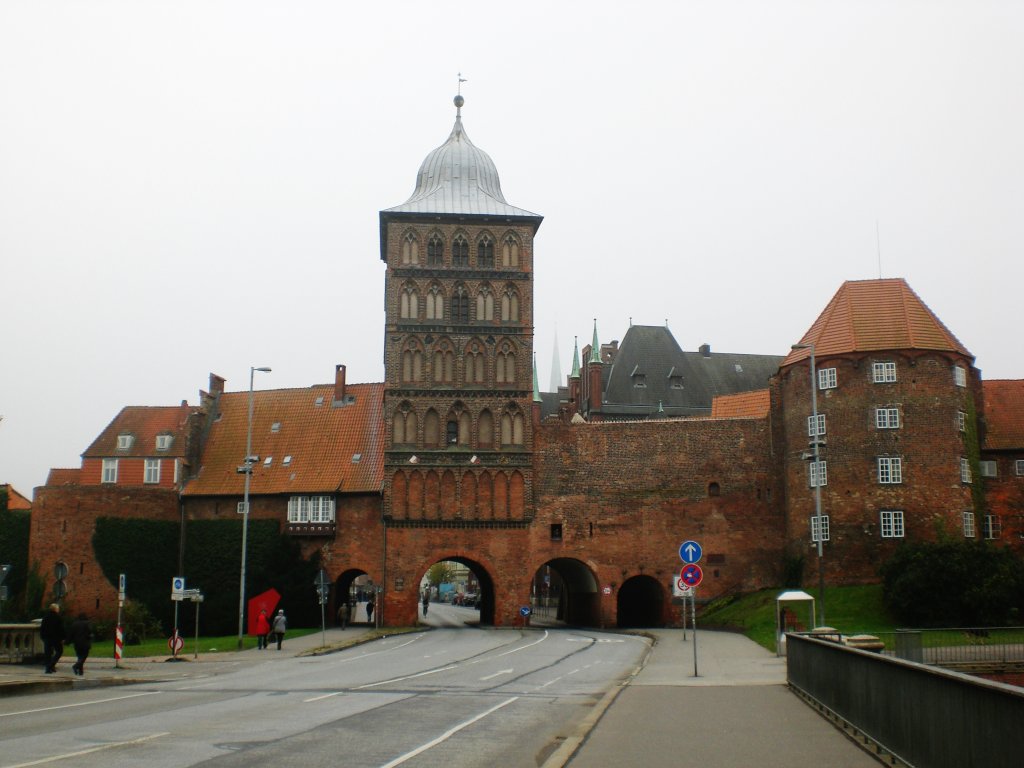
[{"x": 146, "y": 551}]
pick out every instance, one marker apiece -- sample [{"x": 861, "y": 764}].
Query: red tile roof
[
  {"x": 15, "y": 501},
  {"x": 64, "y": 477},
  {"x": 742, "y": 405},
  {"x": 331, "y": 448},
  {"x": 1004, "y": 414},
  {"x": 875, "y": 315},
  {"x": 144, "y": 423}
]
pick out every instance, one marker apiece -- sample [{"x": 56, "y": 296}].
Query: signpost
[
  {"x": 122, "y": 591},
  {"x": 323, "y": 590},
  {"x": 690, "y": 577}
]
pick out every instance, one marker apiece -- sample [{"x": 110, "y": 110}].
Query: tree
[{"x": 438, "y": 574}]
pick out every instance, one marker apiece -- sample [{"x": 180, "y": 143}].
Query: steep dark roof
[{"x": 650, "y": 368}]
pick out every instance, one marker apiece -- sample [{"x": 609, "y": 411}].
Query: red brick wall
[
  {"x": 130, "y": 471},
  {"x": 63, "y": 524}
]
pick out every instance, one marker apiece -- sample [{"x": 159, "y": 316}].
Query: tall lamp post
[
  {"x": 246, "y": 469},
  {"x": 815, "y": 457}
]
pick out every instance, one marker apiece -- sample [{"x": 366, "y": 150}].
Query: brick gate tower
[{"x": 458, "y": 347}]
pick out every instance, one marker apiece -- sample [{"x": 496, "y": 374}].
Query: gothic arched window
[
  {"x": 410, "y": 309},
  {"x": 510, "y": 251},
  {"x": 485, "y": 429},
  {"x": 443, "y": 364},
  {"x": 460, "y": 305},
  {"x": 485, "y": 252},
  {"x": 485, "y": 304},
  {"x": 431, "y": 429},
  {"x": 505, "y": 365},
  {"x": 410, "y": 249},
  {"x": 435, "y": 251},
  {"x": 474, "y": 362},
  {"x": 435, "y": 303},
  {"x": 460, "y": 251},
  {"x": 404, "y": 427},
  {"x": 412, "y": 364},
  {"x": 510, "y": 306}
]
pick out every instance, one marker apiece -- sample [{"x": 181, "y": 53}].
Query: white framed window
[
  {"x": 827, "y": 378},
  {"x": 819, "y": 528},
  {"x": 109, "y": 471},
  {"x": 989, "y": 469},
  {"x": 1019, "y": 465},
  {"x": 959, "y": 375},
  {"x": 890, "y": 470},
  {"x": 817, "y": 473},
  {"x": 965, "y": 471},
  {"x": 968, "y": 525},
  {"x": 163, "y": 442},
  {"x": 883, "y": 373},
  {"x": 124, "y": 442},
  {"x": 151, "y": 474},
  {"x": 887, "y": 418},
  {"x": 816, "y": 425},
  {"x": 993, "y": 527},
  {"x": 311, "y": 509},
  {"x": 961, "y": 421},
  {"x": 892, "y": 523}
]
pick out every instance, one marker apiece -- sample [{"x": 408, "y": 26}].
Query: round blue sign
[
  {"x": 525, "y": 610},
  {"x": 690, "y": 552}
]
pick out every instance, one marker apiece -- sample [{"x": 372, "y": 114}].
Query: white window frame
[
  {"x": 151, "y": 472},
  {"x": 827, "y": 378},
  {"x": 887, "y": 418},
  {"x": 965, "y": 471},
  {"x": 820, "y": 522},
  {"x": 1019, "y": 466},
  {"x": 959, "y": 375},
  {"x": 124, "y": 442},
  {"x": 811, "y": 431},
  {"x": 311, "y": 509},
  {"x": 109, "y": 474},
  {"x": 892, "y": 524},
  {"x": 890, "y": 470},
  {"x": 163, "y": 442},
  {"x": 989, "y": 468},
  {"x": 883, "y": 372},
  {"x": 992, "y": 528},
  {"x": 961, "y": 421},
  {"x": 817, "y": 472},
  {"x": 968, "y": 518}
]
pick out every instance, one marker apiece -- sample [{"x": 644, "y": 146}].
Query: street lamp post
[
  {"x": 246, "y": 469},
  {"x": 815, "y": 457}
]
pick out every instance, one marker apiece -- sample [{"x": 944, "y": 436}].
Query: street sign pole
[
  {"x": 690, "y": 552},
  {"x": 693, "y": 607}
]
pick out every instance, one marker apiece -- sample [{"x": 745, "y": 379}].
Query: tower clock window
[
  {"x": 460, "y": 251},
  {"x": 485, "y": 252},
  {"x": 435, "y": 251}
]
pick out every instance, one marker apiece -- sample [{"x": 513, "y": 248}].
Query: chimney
[
  {"x": 339, "y": 384},
  {"x": 216, "y": 385},
  {"x": 705, "y": 349}
]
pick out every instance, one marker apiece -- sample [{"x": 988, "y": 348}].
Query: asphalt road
[{"x": 452, "y": 697}]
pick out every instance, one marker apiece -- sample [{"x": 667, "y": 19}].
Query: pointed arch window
[
  {"x": 511, "y": 428},
  {"x": 505, "y": 365},
  {"x": 431, "y": 429},
  {"x": 485, "y": 252},
  {"x": 404, "y": 426},
  {"x": 460, "y": 305},
  {"x": 435, "y": 303},
  {"x": 412, "y": 364},
  {"x": 474, "y": 362},
  {"x": 410, "y": 303},
  {"x": 485, "y": 428},
  {"x": 443, "y": 365},
  {"x": 510, "y": 306},
  {"x": 485, "y": 304},
  {"x": 460, "y": 251},
  {"x": 435, "y": 251},
  {"x": 510, "y": 251},
  {"x": 410, "y": 249}
]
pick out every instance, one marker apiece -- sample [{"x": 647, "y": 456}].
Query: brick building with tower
[{"x": 457, "y": 455}]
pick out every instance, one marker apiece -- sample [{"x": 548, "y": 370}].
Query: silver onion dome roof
[{"x": 459, "y": 178}]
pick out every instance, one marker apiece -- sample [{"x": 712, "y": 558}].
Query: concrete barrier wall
[
  {"x": 19, "y": 642},
  {"x": 927, "y": 717}
]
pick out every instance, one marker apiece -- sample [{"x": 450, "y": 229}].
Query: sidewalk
[
  {"x": 737, "y": 711},
  {"x": 30, "y": 678}
]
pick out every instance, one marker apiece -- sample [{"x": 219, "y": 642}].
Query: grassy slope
[{"x": 849, "y": 609}]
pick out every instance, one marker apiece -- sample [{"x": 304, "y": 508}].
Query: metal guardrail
[
  {"x": 913, "y": 714},
  {"x": 958, "y": 647}
]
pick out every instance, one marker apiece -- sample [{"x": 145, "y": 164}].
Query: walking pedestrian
[
  {"x": 343, "y": 614},
  {"x": 426, "y": 601},
  {"x": 369, "y": 608},
  {"x": 81, "y": 638},
  {"x": 280, "y": 625},
  {"x": 51, "y": 630},
  {"x": 262, "y": 629}
]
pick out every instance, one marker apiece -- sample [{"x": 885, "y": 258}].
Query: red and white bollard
[{"x": 118, "y": 644}]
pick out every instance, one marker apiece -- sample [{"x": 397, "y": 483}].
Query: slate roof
[
  {"x": 144, "y": 423},
  {"x": 876, "y": 315},
  {"x": 1004, "y": 414},
  {"x": 743, "y": 405},
  {"x": 332, "y": 449},
  {"x": 653, "y": 353}
]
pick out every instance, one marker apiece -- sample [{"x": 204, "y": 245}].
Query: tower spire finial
[{"x": 459, "y": 101}]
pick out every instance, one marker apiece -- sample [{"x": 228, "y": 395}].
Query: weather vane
[{"x": 461, "y": 81}]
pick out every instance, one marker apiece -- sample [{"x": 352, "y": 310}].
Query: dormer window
[
  {"x": 268, "y": 461},
  {"x": 124, "y": 442},
  {"x": 163, "y": 442},
  {"x": 675, "y": 382},
  {"x": 286, "y": 461},
  {"x": 275, "y": 427},
  {"x": 639, "y": 379}
]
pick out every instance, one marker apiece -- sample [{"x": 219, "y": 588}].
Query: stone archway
[
  {"x": 480, "y": 585},
  {"x": 641, "y": 603},
  {"x": 565, "y": 590},
  {"x": 353, "y": 583}
]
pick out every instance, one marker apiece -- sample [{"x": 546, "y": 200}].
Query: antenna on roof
[{"x": 878, "y": 245}]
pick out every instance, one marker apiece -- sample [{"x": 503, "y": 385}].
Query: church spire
[
  {"x": 595, "y": 346},
  {"x": 575, "y": 358}
]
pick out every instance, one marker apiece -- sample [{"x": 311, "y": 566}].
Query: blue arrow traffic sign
[
  {"x": 691, "y": 575},
  {"x": 690, "y": 552}
]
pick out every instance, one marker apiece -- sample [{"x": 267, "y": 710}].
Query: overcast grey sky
[{"x": 188, "y": 187}]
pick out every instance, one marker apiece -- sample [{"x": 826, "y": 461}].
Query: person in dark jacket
[
  {"x": 51, "y": 630},
  {"x": 81, "y": 638}
]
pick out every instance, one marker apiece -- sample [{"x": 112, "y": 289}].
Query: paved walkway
[{"x": 737, "y": 711}]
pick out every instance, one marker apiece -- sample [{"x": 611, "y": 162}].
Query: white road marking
[
  {"x": 524, "y": 647},
  {"x": 112, "y": 745},
  {"x": 407, "y": 677},
  {"x": 446, "y": 735},
  {"x": 550, "y": 682},
  {"x": 499, "y": 673},
  {"x": 78, "y": 704}
]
